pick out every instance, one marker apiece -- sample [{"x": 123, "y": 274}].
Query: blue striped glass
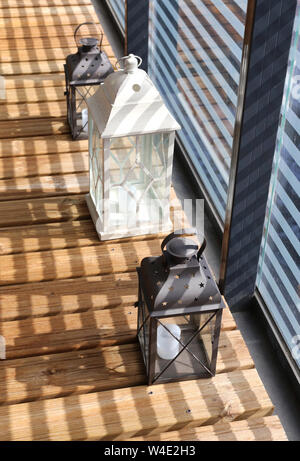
[
  {"x": 117, "y": 7},
  {"x": 195, "y": 50},
  {"x": 278, "y": 278}
]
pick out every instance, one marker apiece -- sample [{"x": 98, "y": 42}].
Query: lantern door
[
  {"x": 144, "y": 321},
  {"x": 137, "y": 184},
  {"x": 77, "y": 109},
  {"x": 96, "y": 168},
  {"x": 185, "y": 347}
]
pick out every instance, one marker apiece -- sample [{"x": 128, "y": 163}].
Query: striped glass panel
[
  {"x": 278, "y": 277},
  {"x": 195, "y": 50},
  {"x": 117, "y": 7}
]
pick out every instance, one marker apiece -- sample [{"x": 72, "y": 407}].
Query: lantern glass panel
[
  {"x": 78, "y": 112},
  {"x": 96, "y": 166},
  {"x": 144, "y": 329},
  {"x": 181, "y": 335},
  {"x": 139, "y": 188}
]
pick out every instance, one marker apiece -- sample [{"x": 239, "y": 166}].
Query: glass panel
[
  {"x": 173, "y": 334},
  {"x": 144, "y": 329},
  {"x": 195, "y": 50},
  {"x": 139, "y": 186},
  {"x": 81, "y": 112},
  {"x": 91, "y": 171},
  {"x": 278, "y": 275},
  {"x": 117, "y": 7},
  {"x": 95, "y": 166}
]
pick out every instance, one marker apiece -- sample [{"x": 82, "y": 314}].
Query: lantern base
[{"x": 122, "y": 233}]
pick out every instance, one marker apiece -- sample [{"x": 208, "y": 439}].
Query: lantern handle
[
  {"x": 84, "y": 24},
  {"x": 118, "y": 67},
  {"x": 187, "y": 231}
]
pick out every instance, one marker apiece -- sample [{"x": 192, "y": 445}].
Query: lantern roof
[
  {"x": 128, "y": 104},
  {"x": 179, "y": 281},
  {"x": 89, "y": 66}
]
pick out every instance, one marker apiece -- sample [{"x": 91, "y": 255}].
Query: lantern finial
[{"x": 131, "y": 63}]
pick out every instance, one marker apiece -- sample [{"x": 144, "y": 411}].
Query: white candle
[
  {"x": 121, "y": 200},
  {"x": 84, "y": 118},
  {"x": 167, "y": 346}
]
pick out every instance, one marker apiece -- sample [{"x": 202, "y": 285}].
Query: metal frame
[
  {"x": 268, "y": 33},
  {"x": 209, "y": 372}
]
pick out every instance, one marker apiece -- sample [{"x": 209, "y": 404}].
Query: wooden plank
[
  {"x": 123, "y": 413},
  {"x": 261, "y": 430},
  {"x": 40, "y": 165},
  {"x": 62, "y": 333},
  {"x": 31, "y": 95},
  {"x": 38, "y": 43},
  {"x": 75, "y": 262},
  {"x": 45, "y": 11},
  {"x": 31, "y": 3},
  {"x": 69, "y": 296},
  {"x": 17, "y": 68},
  {"x": 46, "y": 21},
  {"x": 46, "y": 210},
  {"x": 34, "y": 81},
  {"x": 26, "y": 128},
  {"x": 19, "y": 188},
  {"x": 36, "y": 186},
  {"x": 41, "y": 145},
  {"x": 44, "y": 54},
  {"x": 52, "y": 236},
  {"x": 50, "y": 110},
  {"x": 57, "y": 375},
  {"x": 37, "y": 31},
  {"x": 99, "y": 369},
  {"x": 37, "y": 211},
  {"x": 22, "y": 128},
  {"x": 46, "y": 145}
]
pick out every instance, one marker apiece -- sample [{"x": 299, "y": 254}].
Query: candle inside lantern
[
  {"x": 167, "y": 345},
  {"x": 123, "y": 206},
  {"x": 84, "y": 119}
]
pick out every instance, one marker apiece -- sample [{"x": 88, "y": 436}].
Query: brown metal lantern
[
  {"x": 84, "y": 71},
  {"x": 179, "y": 312}
]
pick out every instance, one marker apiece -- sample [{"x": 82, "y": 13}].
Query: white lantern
[{"x": 131, "y": 145}]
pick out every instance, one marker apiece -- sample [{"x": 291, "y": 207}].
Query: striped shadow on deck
[{"x": 74, "y": 369}]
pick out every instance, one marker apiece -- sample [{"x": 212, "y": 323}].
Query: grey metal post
[{"x": 137, "y": 29}]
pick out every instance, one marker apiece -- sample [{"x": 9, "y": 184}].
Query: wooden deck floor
[{"x": 73, "y": 368}]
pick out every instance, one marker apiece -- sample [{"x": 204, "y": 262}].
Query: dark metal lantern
[
  {"x": 179, "y": 312},
  {"x": 84, "y": 71}
]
